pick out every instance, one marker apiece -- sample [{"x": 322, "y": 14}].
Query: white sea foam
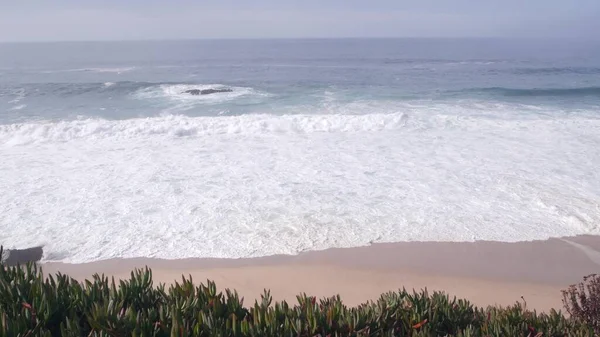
[
  {"x": 109, "y": 70},
  {"x": 109, "y": 84},
  {"x": 19, "y": 107},
  {"x": 19, "y": 96},
  {"x": 176, "y": 186},
  {"x": 176, "y": 126}
]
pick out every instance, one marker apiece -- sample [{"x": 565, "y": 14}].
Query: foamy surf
[
  {"x": 183, "y": 126},
  {"x": 413, "y": 118},
  {"x": 256, "y": 185}
]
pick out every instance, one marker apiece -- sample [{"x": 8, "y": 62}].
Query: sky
[{"x": 90, "y": 20}]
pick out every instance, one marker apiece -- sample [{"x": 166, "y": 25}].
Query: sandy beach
[{"x": 485, "y": 273}]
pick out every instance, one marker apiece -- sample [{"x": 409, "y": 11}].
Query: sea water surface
[{"x": 320, "y": 143}]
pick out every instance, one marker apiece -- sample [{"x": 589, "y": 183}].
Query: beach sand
[{"x": 485, "y": 273}]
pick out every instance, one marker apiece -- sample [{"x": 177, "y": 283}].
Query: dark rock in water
[
  {"x": 214, "y": 91},
  {"x": 12, "y": 257},
  {"x": 196, "y": 92}
]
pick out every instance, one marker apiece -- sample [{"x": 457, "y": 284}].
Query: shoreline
[{"x": 486, "y": 273}]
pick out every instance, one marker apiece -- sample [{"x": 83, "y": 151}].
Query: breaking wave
[
  {"x": 540, "y": 92},
  {"x": 184, "y": 126}
]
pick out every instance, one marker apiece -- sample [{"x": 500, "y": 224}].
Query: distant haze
[{"x": 61, "y": 20}]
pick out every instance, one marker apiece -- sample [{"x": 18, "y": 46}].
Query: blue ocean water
[
  {"x": 320, "y": 143},
  {"x": 64, "y": 80}
]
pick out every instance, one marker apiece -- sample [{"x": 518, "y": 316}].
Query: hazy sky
[{"x": 44, "y": 20}]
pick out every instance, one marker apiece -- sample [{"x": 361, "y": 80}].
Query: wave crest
[
  {"x": 539, "y": 92},
  {"x": 115, "y": 70},
  {"x": 183, "y": 126},
  {"x": 557, "y": 71}
]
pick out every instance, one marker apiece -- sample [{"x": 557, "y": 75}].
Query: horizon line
[{"x": 305, "y": 38}]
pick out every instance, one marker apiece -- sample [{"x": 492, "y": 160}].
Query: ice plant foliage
[{"x": 33, "y": 304}]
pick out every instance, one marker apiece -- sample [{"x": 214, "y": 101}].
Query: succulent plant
[{"x": 33, "y": 304}]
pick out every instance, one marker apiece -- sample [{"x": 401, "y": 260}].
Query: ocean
[{"x": 320, "y": 143}]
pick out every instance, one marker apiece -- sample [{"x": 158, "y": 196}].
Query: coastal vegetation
[{"x": 34, "y": 304}]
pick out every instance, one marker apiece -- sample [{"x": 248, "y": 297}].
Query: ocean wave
[
  {"x": 557, "y": 71},
  {"x": 183, "y": 126},
  {"x": 410, "y": 117},
  {"x": 139, "y": 90},
  {"x": 538, "y": 92},
  {"x": 18, "y": 107},
  {"x": 439, "y": 61},
  {"x": 114, "y": 70},
  {"x": 20, "y": 95},
  {"x": 70, "y": 89}
]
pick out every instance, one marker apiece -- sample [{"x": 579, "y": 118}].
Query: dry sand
[{"x": 484, "y": 272}]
